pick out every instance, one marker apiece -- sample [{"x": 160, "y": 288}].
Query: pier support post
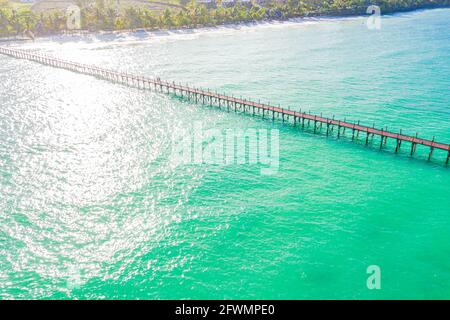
[
  {"x": 382, "y": 138},
  {"x": 357, "y": 132},
  {"x": 399, "y": 144},
  {"x": 431, "y": 148},
  {"x": 431, "y": 153},
  {"x": 413, "y": 148}
]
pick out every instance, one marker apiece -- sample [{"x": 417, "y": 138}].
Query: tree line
[{"x": 109, "y": 15}]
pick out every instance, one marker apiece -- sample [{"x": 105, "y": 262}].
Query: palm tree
[{"x": 167, "y": 18}]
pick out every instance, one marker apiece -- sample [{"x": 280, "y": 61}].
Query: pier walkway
[{"x": 229, "y": 102}]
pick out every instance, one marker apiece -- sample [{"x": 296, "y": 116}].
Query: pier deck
[{"x": 206, "y": 96}]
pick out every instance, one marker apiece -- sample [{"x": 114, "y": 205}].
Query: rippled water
[{"x": 92, "y": 206}]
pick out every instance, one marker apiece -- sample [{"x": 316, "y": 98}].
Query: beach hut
[
  {"x": 228, "y": 3},
  {"x": 208, "y": 3}
]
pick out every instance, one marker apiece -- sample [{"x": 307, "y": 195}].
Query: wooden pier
[{"x": 231, "y": 103}]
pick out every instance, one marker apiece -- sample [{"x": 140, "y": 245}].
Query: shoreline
[{"x": 151, "y": 32}]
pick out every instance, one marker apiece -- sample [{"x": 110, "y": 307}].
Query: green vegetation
[{"x": 111, "y": 15}]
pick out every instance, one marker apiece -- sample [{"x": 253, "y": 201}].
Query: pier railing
[{"x": 232, "y": 103}]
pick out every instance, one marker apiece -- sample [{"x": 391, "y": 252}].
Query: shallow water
[{"x": 92, "y": 206}]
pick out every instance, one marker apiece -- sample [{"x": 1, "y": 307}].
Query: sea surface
[{"x": 91, "y": 205}]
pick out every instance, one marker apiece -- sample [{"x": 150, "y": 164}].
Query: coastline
[
  {"x": 145, "y": 33},
  {"x": 114, "y": 192}
]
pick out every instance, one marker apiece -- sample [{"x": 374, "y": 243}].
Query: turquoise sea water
[{"x": 91, "y": 206}]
